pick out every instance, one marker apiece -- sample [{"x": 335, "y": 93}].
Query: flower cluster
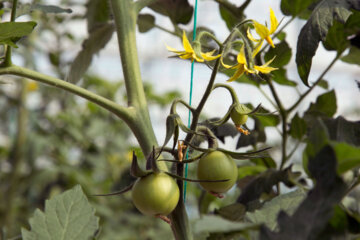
[{"x": 242, "y": 66}]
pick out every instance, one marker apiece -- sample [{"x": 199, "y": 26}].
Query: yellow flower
[
  {"x": 263, "y": 31},
  {"x": 189, "y": 52},
  {"x": 243, "y": 67}
]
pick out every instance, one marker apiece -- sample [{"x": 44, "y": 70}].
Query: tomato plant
[
  {"x": 217, "y": 165},
  {"x": 155, "y": 194}
]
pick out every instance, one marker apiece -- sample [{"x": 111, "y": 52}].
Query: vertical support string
[{"x": 190, "y": 95}]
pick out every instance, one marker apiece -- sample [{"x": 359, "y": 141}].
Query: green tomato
[
  {"x": 238, "y": 118},
  {"x": 217, "y": 165},
  {"x": 155, "y": 194}
]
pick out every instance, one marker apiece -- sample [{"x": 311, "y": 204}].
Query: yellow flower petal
[
  {"x": 237, "y": 74},
  {"x": 273, "y": 21},
  {"x": 257, "y": 49},
  {"x": 241, "y": 56},
  {"x": 264, "y": 69},
  {"x": 225, "y": 65},
  {"x": 269, "y": 40},
  {"x": 186, "y": 43},
  {"x": 209, "y": 57},
  {"x": 250, "y": 36},
  {"x": 261, "y": 30},
  {"x": 174, "y": 50}
]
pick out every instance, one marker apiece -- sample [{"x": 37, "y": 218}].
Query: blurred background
[{"x": 51, "y": 140}]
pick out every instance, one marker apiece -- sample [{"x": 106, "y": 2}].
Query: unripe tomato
[
  {"x": 238, "y": 118},
  {"x": 217, "y": 165},
  {"x": 155, "y": 194}
]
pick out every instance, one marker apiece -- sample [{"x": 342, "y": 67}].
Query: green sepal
[
  {"x": 151, "y": 161},
  {"x": 126, "y": 189},
  {"x": 135, "y": 169},
  {"x": 189, "y": 160},
  {"x": 235, "y": 155},
  {"x": 193, "y": 180}
]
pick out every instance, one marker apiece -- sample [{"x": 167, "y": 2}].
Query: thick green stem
[{"x": 125, "y": 16}]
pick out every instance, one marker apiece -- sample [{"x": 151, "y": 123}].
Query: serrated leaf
[
  {"x": 325, "y": 105},
  {"x": 179, "y": 11},
  {"x": 281, "y": 52},
  {"x": 232, "y": 212},
  {"x": 145, "y": 22},
  {"x": 11, "y": 31},
  {"x": 95, "y": 42},
  {"x": 316, "y": 29},
  {"x": 316, "y": 210},
  {"x": 287, "y": 202},
  {"x": 297, "y": 127},
  {"x": 295, "y": 7},
  {"x": 213, "y": 224},
  {"x": 231, "y": 14},
  {"x": 66, "y": 216},
  {"x": 264, "y": 183}
]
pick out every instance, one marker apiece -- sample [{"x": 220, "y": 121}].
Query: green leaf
[
  {"x": 316, "y": 210},
  {"x": 232, "y": 212},
  {"x": 66, "y": 216},
  {"x": 353, "y": 57},
  {"x": 316, "y": 29},
  {"x": 348, "y": 157},
  {"x": 232, "y": 14},
  {"x": 145, "y": 22},
  {"x": 10, "y": 32},
  {"x": 264, "y": 183},
  {"x": 281, "y": 52},
  {"x": 97, "y": 40},
  {"x": 267, "y": 215},
  {"x": 324, "y": 84},
  {"x": 325, "y": 105},
  {"x": 336, "y": 38},
  {"x": 97, "y": 14},
  {"x": 245, "y": 171},
  {"x": 280, "y": 77},
  {"x": 295, "y": 7},
  {"x": 212, "y": 224},
  {"x": 257, "y": 134},
  {"x": 179, "y": 11},
  {"x": 342, "y": 130},
  {"x": 297, "y": 127}
]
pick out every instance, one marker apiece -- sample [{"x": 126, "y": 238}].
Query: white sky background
[{"x": 174, "y": 74}]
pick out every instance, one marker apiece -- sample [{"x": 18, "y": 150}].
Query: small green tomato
[
  {"x": 217, "y": 165},
  {"x": 155, "y": 194},
  {"x": 237, "y": 117}
]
